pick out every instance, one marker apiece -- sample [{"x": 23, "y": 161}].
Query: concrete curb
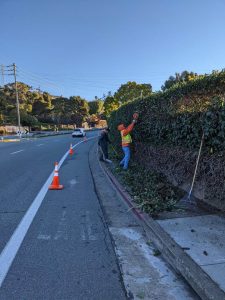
[{"x": 201, "y": 282}]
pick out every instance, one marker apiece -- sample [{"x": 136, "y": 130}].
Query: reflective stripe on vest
[{"x": 126, "y": 139}]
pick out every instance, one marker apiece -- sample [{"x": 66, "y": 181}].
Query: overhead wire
[
  {"x": 88, "y": 83},
  {"x": 82, "y": 77},
  {"x": 39, "y": 85},
  {"x": 33, "y": 77},
  {"x": 46, "y": 82},
  {"x": 79, "y": 81}
]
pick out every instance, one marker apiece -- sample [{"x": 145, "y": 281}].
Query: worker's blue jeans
[{"x": 125, "y": 161}]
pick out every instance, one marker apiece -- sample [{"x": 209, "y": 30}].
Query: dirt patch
[{"x": 178, "y": 164}]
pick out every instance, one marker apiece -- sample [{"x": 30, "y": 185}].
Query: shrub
[{"x": 179, "y": 115}]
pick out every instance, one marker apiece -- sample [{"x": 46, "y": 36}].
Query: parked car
[{"x": 78, "y": 132}]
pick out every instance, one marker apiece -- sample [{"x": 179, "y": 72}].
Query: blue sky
[{"x": 90, "y": 47}]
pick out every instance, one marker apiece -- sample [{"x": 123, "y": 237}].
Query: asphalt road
[{"x": 67, "y": 252}]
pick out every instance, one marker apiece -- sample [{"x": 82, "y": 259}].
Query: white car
[{"x": 78, "y": 132}]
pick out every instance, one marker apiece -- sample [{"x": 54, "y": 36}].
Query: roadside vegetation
[
  {"x": 167, "y": 136},
  {"x": 151, "y": 191},
  {"x": 169, "y": 131},
  {"x": 40, "y": 109}
]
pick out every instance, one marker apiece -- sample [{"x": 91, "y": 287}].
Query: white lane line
[
  {"x": 90, "y": 234},
  {"x": 17, "y": 151},
  {"x": 9, "y": 252},
  {"x": 40, "y": 145}
]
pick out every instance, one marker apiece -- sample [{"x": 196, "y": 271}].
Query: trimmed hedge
[
  {"x": 168, "y": 134},
  {"x": 179, "y": 115}
]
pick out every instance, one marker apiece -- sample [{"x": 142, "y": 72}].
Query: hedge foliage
[{"x": 179, "y": 115}]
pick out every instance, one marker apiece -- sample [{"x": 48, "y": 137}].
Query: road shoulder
[
  {"x": 195, "y": 249},
  {"x": 144, "y": 272}
]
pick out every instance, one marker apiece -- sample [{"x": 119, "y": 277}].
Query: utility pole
[
  {"x": 8, "y": 69},
  {"x": 17, "y": 98},
  {"x": 141, "y": 94}
]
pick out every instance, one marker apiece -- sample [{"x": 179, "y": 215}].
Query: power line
[
  {"x": 84, "y": 78},
  {"x": 76, "y": 85},
  {"x": 51, "y": 82},
  {"x": 82, "y": 81},
  {"x": 46, "y": 82},
  {"x": 35, "y": 78}
]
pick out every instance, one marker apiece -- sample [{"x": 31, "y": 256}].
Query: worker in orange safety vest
[{"x": 126, "y": 140}]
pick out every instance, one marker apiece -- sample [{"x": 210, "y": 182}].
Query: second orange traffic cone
[
  {"x": 55, "y": 182},
  {"x": 71, "y": 150}
]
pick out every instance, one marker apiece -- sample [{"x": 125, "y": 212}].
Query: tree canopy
[
  {"x": 132, "y": 90},
  {"x": 185, "y": 76},
  {"x": 41, "y": 107},
  {"x": 96, "y": 107},
  {"x": 37, "y": 106}
]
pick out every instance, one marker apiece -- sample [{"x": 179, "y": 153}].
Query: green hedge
[{"x": 179, "y": 115}]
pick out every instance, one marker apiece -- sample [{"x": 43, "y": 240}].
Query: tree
[
  {"x": 30, "y": 101},
  {"x": 110, "y": 104},
  {"x": 47, "y": 99},
  {"x": 42, "y": 107},
  {"x": 39, "y": 108},
  {"x": 132, "y": 90},
  {"x": 179, "y": 78},
  {"x": 93, "y": 120},
  {"x": 3, "y": 105},
  {"x": 58, "y": 113},
  {"x": 96, "y": 107},
  {"x": 26, "y": 96},
  {"x": 77, "y": 110},
  {"x": 28, "y": 120}
]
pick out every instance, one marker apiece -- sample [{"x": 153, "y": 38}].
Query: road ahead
[{"x": 67, "y": 251}]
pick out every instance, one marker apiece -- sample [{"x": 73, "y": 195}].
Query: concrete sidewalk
[
  {"x": 203, "y": 239},
  {"x": 194, "y": 244}
]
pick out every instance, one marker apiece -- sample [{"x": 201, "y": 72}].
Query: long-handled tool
[
  {"x": 103, "y": 155},
  {"x": 187, "y": 198}
]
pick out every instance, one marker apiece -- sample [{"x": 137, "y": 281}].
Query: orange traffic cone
[
  {"x": 55, "y": 182},
  {"x": 71, "y": 150}
]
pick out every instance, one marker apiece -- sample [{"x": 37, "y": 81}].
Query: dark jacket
[
  {"x": 103, "y": 143},
  {"x": 104, "y": 139}
]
